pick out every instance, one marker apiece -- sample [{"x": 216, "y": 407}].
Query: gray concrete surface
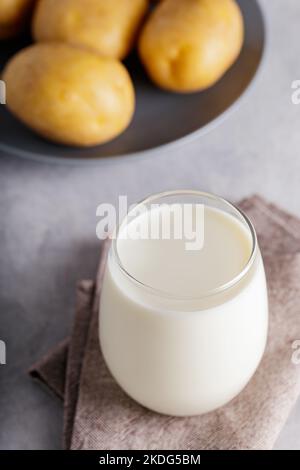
[{"x": 48, "y": 221}]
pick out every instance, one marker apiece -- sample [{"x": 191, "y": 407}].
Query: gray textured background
[{"x": 47, "y": 229}]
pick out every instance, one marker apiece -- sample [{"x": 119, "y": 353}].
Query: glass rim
[{"x": 211, "y": 292}]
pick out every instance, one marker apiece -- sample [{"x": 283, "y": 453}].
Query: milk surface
[{"x": 168, "y": 266}]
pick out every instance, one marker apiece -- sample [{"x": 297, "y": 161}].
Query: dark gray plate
[{"x": 161, "y": 118}]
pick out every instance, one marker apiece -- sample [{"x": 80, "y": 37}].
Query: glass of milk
[{"x": 184, "y": 310}]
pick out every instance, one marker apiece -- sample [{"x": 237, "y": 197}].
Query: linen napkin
[{"x": 99, "y": 415}]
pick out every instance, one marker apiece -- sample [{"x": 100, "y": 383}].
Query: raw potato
[
  {"x": 188, "y": 45},
  {"x": 69, "y": 95},
  {"x": 107, "y": 26},
  {"x": 13, "y": 16}
]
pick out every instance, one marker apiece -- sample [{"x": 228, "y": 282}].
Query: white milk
[{"x": 171, "y": 346}]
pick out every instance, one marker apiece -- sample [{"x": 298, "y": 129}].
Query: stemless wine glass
[{"x": 182, "y": 331}]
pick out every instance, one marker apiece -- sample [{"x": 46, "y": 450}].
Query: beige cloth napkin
[{"x": 99, "y": 415}]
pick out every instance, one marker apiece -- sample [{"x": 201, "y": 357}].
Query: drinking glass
[{"x": 187, "y": 343}]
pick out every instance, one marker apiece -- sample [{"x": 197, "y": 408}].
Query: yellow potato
[
  {"x": 69, "y": 95},
  {"x": 13, "y": 16},
  {"x": 107, "y": 26},
  {"x": 188, "y": 45}
]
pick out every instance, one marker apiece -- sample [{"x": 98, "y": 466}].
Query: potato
[
  {"x": 188, "y": 45},
  {"x": 14, "y": 15},
  {"x": 106, "y": 26},
  {"x": 69, "y": 95}
]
